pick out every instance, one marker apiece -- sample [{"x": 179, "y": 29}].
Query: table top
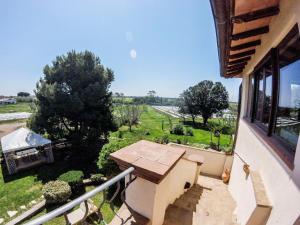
[{"x": 152, "y": 161}]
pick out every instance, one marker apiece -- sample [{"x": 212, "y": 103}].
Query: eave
[{"x": 240, "y": 26}]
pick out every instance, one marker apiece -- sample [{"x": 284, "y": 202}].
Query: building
[
  {"x": 23, "y": 149},
  {"x": 8, "y": 101},
  {"x": 259, "y": 41}
]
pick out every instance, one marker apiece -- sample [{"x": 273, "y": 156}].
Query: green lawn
[
  {"x": 20, "y": 190},
  {"x": 97, "y": 199},
  {"x": 26, "y": 186},
  {"x": 150, "y": 128},
  {"x": 19, "y": 107}
]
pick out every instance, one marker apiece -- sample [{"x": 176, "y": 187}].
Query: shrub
[
  {"x": 189, "y": 132},
  {"x": 108, "y": 166},
  {"x": 165, "y": 139},
  {"x": 97, "y": 178},
  {"x": 56, "y": 192},
  {"x": 75, "y": 179},
  {"x": 178, "y": 141},
  {"x": 120, "y": 134},
  {"x": 185, "y": 141},
  {"x": 178, "y": 129}
]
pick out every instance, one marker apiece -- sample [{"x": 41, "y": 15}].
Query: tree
[
  {"x": 188, "y": 103},
  {"x": 212, "y": 98},
  {"x": 129, "y": 115},
  {"x": 151, "y": 97},
  {"x": 73, "y": 100},
  {"x": 23, "y": 94},
  {"x": 205, "y": 99}
]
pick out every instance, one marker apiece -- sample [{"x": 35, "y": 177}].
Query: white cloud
[{"x": 133, "y": 53}]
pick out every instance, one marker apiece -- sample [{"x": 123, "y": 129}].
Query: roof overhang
[{"x": 239, "y": 27}]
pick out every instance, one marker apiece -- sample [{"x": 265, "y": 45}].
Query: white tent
[{"x": 22, "y": 138}]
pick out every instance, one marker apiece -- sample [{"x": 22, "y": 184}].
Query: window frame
[{"x": 278, "y": 144}]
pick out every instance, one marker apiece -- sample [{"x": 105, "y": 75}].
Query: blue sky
[{"x": 165, "y": 46}]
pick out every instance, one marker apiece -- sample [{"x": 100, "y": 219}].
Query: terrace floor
[{"x": 207, "y": 203}]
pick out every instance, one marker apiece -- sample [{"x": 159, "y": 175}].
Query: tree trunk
[
  {"x": 193, "y": 117},
  {"x": 205, "y": 119},
  {"x": 129, "y": 127}
]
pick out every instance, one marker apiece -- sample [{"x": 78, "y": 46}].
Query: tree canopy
[
  {"x": 205, "y": 99},
  {"x": 23, "y": 94},
  {"x": 73, "y": 100}
]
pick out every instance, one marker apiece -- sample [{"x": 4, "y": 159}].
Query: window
[
  {"x": 288, "y": 109},
  {"x": 263, "y": 94},
  {"x": 275, "y": 91}
]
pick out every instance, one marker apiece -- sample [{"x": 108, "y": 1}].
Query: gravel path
[
  {"x": 9, "y": 127},
  {"x": 14, "y": 116}
]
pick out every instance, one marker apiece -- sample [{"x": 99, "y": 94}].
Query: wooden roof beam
[
  {"x": 232, "y": 68},
  {"x": 245, "y": 45},
  {"x": 245, "y": 59},
  {"x": 242, "y": 54},
  {"x": 237, "y": 64},
  {"x": 255, "y": 15},
  {"x": 250, "y": 33},
  {"x": 232, "y": 74}
]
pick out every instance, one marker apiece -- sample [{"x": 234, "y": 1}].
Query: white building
[{"x": 259, "y": 41}]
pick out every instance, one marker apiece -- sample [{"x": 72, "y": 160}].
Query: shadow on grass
[
  {"x": 196, "y": 125},
  {"x": 48, "y": 172}
]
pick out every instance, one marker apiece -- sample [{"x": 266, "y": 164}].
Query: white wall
[
  {"x": 140, "y": 196},
  {"x": 151, "y": 200},
  {"x": 214, "y": 162},
  {"x": 172, "y": 187},
  {"x": 280, "y": 182}
]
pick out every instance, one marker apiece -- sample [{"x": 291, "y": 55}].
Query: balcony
[{"x": 163, "y": 186}]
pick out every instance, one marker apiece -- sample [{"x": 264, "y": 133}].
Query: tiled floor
[{"x": 208, "y": 203}]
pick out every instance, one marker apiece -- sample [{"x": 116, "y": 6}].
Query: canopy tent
[{"x": 22, "y": 138}]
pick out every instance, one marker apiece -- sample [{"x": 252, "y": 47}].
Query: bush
[
  {"x": 178, "y": 130},
  {"x": 75, "y": 179},
  {"x": 189, "y": 132},
  {"x": 108, "y": 166},
  {"x": 56, "y": 192},
  {"x": 165, "y": 139},
  {"x": 120, "y": 134},
  {"x": 97, "y": 178}
]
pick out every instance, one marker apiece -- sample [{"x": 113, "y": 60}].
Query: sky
[{"x": 158, "y": 45}]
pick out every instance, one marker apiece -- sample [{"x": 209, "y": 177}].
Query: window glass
[
  {"x": 267, "y": 95},
  {"x": 288, "y": 110},
  {"x": 250, "y": 95},
  {"x": 260, "y": 95}
]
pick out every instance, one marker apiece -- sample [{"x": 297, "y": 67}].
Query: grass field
[
  {"x": 19, "y": 107},
  {"x": 150, "y": 128},
  {"x": 26, "y": 186},
  {"x": 17, "y": 192}
]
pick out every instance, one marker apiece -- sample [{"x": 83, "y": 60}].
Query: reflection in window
[
  {"x": 260, "y": 96},
  {"x": 288, "y": 111},
  {"x": 264, "y": 93},
  {"x": 250, "y": 95},
  {"x": 267, "y": 100}
]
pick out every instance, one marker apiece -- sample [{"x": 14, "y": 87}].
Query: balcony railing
[{"x": 63, "y": 210}]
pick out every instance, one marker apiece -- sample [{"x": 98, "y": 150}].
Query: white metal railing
[{"x": 65, "y": 208}]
